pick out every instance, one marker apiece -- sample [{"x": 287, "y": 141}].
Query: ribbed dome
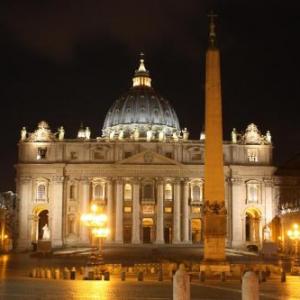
[{"x": 141, "y": 109}]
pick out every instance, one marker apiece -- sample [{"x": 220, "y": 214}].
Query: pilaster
[
  {"x": 56, "y": 213},
  {"x": 119, "y": 211},
  {"x": 176, "y": 213},
  {"x": 136, "y": 213},
  {"x": 160, "y": 212}
]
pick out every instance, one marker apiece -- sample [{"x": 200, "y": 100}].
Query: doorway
[
  {"x": 43, "y": 220},
  {"x": 168, "y": 234},
  {"x": 147, "y": 230},
  {"x": 196, "y": 231},
  {"x": 252, "y": 225}
]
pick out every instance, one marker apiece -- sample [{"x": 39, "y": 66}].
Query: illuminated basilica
[{"x": 146, "y": 174}]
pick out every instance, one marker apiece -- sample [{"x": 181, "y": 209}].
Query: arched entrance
[
  {"x": 147, "y": 230},
  {"x": 42, "y": 221},
  {"x": 196, "y": 231},
  {"x": 252, "y": 225}
]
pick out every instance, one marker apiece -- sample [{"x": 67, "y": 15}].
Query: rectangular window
[
  {"x": 169, "y": 155},
  {"x": 252, "y": 155},
  {"x": 168, "y": 210},
  {"x": 127, "y": 154},
  {"x": 99, "y": 155},
  {"x": 196, "y": 156},
  {"x": 41, "y": 153},
  {"x": 127, "y": 209},
  {"x": 73, "y": 155},
  {"x": 196, "y": 210}
]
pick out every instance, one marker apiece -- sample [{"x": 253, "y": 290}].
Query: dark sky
[{"x": 67, "y": 61}]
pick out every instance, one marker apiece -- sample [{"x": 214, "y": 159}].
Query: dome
[{"x": 141, "y": 112}]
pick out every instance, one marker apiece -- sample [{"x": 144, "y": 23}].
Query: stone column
[
  {"x": 119, "y": 211},
  {"x": 185, "y": 211},
  {"x": 57, "y": 212},
  {"x": 238, "y": 226},
  {"x": 270, "y": 212},
  {"x": 135, "y": 239},
  {"x": 84, "y": 208},
  {"x": 160, "y": 213},
  {"x": 176, "y": 212},
  {"x": 109, "y": 210},
  {"x": 24, "y": 190}
]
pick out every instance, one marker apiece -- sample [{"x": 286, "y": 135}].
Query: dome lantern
[{"x": 141, "y": 75}]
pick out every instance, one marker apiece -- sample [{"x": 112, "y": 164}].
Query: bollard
[
  {"x": 48, "y": 274},
  {"x": 202, "y": 276},
  {"x": 85, "y": 273},
  {"x": 73, "y": 274},
  {"x": 56, "y": 274},
  {"x": 91, "y": 274},
  {"x": 223, "y": 276},
  {"x": 140, "y": 276},
  {"x": 38, "y": 273},
  {"x": 66, "y": 273},
  {"x": 262, "y": 276},
  {"x": 283, "y": 276},
  {"x": 181, "y": 284},
  {"x": 250, "y": 286},
  {"x": 160, "y": 275},
  {"x": 123, "y": 276},
  {"x": 33, "y": 273},
  {"x": 106, "y": 276}
]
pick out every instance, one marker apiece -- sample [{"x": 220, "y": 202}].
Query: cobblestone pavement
[
  {"x": 15, "y": 284},
  {"x": 27, "y": 288}
]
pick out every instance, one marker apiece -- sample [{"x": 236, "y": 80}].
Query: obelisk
[{"x": 214, "y": 190}]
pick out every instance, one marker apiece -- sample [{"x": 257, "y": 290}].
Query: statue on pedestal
[
  {"x": 149, "y": 135},
  {"x": 185, "y": 134},
  {"x": 268, "y": 137},
  {"x": 87, "y": 133},
  {"x": 46, "y": 232},
  {"x": 23, "y": 134},
  {"x": 234, "y": 136},
  {"x": 61, "y": 133}
]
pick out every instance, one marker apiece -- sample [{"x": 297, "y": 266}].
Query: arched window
[
  {"x": 196, "y": 195},
  {"x": 168, "y": 192},
  {"x": 252, "y": 192},
  {"x": 128, "y": 192},
  {"x": 148, "y": 192},
  {"x": 41, "y": 191},
  {"x": 98, "y": 191}
]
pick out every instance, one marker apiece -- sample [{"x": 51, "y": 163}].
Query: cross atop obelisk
[
  {"x": 214, "y": 190},
  {"x": 212, "y": 31}
]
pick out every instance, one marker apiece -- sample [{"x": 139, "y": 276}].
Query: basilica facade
[{"x": 145, "y": 173}]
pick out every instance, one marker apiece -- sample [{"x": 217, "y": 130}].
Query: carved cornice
[
  {"x": 85, "y": 180},
  {"x": 58, "y": 179},
  {"x": 237, "y": 181},
  {"x": 24, "y": 179},
  {"x": 268, "y": 182}
]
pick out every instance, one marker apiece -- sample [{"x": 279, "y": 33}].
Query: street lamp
[
  {"x": 98, "y": 224},
  {"x": 294, "y": 235}
]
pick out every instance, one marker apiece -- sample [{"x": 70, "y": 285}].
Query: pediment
[{"x": 148, "y": 158}]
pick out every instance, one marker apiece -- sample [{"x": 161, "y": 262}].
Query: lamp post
[
  {"x": 294, "y": 235},
  {"x": 98, "y": 224}
]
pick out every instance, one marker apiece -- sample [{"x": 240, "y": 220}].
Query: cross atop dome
[{"x": 141, "y": 75}]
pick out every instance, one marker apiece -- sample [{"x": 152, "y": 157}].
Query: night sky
[{"x": 67, "y": 61}]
